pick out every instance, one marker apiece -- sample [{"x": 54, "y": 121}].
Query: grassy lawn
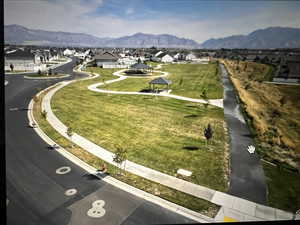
[
  {"x": 283, "y": 198},
  {"x": 158, "y": 132},
  {"x": 273, "y": 113},
  {"x": 189, "y": 80},
  {"x": 180, "y": 198}
]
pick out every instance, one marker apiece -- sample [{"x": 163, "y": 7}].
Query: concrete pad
[
  {"x": 252, "y": 218},
  {"x": 265, "y": 212},
  {"x": 244, "y": 206},
  {"x": 223, "y": 199},
  {"x": 233, "y": 214},
  {"x": 184, "y": 172},
  {"x": 283, "y": 215}
]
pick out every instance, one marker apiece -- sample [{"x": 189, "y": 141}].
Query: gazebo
[
  {"x": 159, "y": 81},
  {"x": 139, "y": 68}
]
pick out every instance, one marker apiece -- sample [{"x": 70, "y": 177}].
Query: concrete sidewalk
[{"x": 232, "y": 207}]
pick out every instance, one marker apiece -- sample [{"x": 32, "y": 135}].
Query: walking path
[
  {"x": 232, "y": 207},
  {"x": 247, "y": 179},
  {"x": 94, "y": 87}
]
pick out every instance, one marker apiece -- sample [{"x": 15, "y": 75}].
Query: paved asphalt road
[
  {"x": 247, "y": 178},
  {"x": 36, "y": 193}
]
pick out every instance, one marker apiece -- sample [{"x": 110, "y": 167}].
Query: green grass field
[
  {"x": 158, "y": 132},
  {"x": 189, "y": 80},
  {"x": 180, "y": 198},
  {"x": 283, "y": 188}
]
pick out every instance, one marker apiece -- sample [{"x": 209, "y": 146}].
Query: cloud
[
  {"x": 129, "y": 11},
  {"x": 75, "y": 16}
]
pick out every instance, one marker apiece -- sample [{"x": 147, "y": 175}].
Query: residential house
[
  {"x": 107, "y": 60},
  {"x": 191, "y": 57},
  {"x": 23, "y": 61},
  {"x": 166, "y": 58}
]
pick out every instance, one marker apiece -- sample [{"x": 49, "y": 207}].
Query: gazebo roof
[
  {"x": 160, "y": 80},
  {"x": 140, "y": 66}
]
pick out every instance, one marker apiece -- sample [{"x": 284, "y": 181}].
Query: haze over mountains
[{"x": 273, "y": 37}]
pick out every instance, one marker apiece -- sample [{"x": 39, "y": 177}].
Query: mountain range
[{"x": 272, "y": 37}]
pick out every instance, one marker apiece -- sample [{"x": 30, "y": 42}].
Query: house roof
[
  {"x": 106, "y": 55},
  {"x": 140, "y": 66},
  {"x": 19, "y": 54},
  {"x": 160, "y": 80}
]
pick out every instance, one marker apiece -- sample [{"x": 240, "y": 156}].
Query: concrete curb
[
  {"x": 5, "y": 83},
  {"x": 130, "y": 189},
  {"x": 46, "y": 78}
]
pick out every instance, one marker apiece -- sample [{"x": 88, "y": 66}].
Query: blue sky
[{"x": 195, "y": 19}]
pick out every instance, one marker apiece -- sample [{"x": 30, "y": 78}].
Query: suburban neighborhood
[{"x": 150, "y": 128}]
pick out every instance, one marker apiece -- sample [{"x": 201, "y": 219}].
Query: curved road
[{"x": 36, "y": 191}]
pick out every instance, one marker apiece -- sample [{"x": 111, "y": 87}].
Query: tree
[
  {"x": 208, "y": 133},
  {"x": 204, "y": 97},
  {"x": 70, "y": 132},
  {"x": 42, "y": 59},
  {"x": 44, "y": 114},
  {"x": 50, "y": 72},
  {"x": 120, "y": 157},
  {"x": 11, "y": 67},
  {"x": 39, "y": 72},
  {"x": 181, "y": 81}
]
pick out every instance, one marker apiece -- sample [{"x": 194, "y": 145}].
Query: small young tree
[
  {"x": 204, "y": 97},
  {"x": 11, "y": 67},
  {"x": 208, "y": 133},
  {"x": 50, "y": 72},
  {"x": 39, "y": 72},
  {"x": 120, "y": 157},
  {"x": 70, "y": 132},
  {"x": 44, "y": 114},
  {"x": 180, "y": 81}
]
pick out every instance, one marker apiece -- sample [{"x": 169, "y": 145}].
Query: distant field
[
  {"x": 189, "y": 80},
  {"x": 162, "y": 133}
]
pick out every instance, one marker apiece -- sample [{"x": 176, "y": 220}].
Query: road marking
[
  {"x": 63, "y": 170},
  {"x": 71, "y": 192},
  {"x": 13, "y": 109},
  {"x": 97, "y": 209},
  {"x": 251, "y": 149},
  {"x": 7, "y": 201},
  {"x": 228, "y": 219}
]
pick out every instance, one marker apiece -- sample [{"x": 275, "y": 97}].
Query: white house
[
  {"x": 191, "y": 57},
  {"x": 23, "y": 61},
  {"x": 127, "y": 61},
  {"x": 68, "y": 52},
  {"x": 167, "y": 59}
]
